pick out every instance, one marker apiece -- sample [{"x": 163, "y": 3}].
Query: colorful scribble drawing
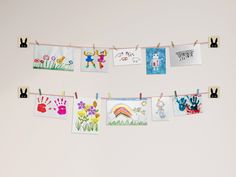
[
  {"x": 127, "y": 112},
  {"x": 187, "y": 105},
  {"x": 101, "y": 58},
  {"x": 89, "y": 58},
  {"x": 161, "y": 109},
  {"x": 86, "y": 116},
  {"x": 155, "y": 61},
  {"x": 94, "y": 60},
  {"x": 53, "y": 58},
  {"x": 51, "y": 106}
]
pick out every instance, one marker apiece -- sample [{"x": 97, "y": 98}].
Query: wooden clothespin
[
  {"x": 136, "y": 48},
  {"x": 158, "y": 45},
  {"x": 63, "y": 93},
  {"x": 114, "y": 47},
  {"x": 195, "y": 42},
  {"x": 109, "y": 95},
  {"x": 93, "y": 46},
  {"x": 40, "y": 93},
  {"x": 175, "y": 94},
  {"x": 36, "y": 42},
  {"x": 96, "y": 96},
  {"x": 160, "y": 96},
  {"x": 76, "y": 95},
  {"x": 172, "y": 44},
  {"x": 198, "y": 92},
  {"x": 140, "y": 96}
]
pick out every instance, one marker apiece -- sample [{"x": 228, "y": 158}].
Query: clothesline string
[
  {"x": 77, "y": 46},
  {"x": 106, "y": 98}
]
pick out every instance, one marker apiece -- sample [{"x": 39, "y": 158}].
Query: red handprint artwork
[
  {"x": 43, "y": 102},
  {"x": 61, "y": 106}
]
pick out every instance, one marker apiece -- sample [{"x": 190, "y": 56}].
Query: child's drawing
[
  {"x": 50, "y": 106},
  {"x": 127, "y": 111},
  {"x": 86, "y": 117},
  {"x": 186, "y": 105},
  {"x": 185, "y": 55},
  {"x": 161, "y": 108},
  {"x": 130, "y": 56},
  {"x": 53, "y": 58},
  {"x": 95, "y": 60},
  {"x": 156, "y": 61}
]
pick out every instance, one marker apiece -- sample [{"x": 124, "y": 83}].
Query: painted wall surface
[{"x": 202, "y": 145}]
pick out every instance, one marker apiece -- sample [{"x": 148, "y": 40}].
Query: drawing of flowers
[{"x": 88, "y": 117}]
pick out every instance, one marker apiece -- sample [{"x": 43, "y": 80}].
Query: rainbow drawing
[{"x": 122, "y": 109}]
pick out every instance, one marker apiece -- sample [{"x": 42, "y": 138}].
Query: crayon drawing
[
  {"x": 50, "y": 106},
  {"x": 127, "y": 111},
  {"x": 187, "y": 105},
  {"x": 156, "y": 61},
  {"x": 127, "y": 56},
  {"x": 86, "y": 117},
  {"x": 185, "y": 55},
  {"x": 161, "y": 108},
  {"x": 53, "y": 58},
  {"x": 95, "y": 60}
]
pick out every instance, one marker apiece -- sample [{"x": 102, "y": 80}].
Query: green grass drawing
[
  {"x": 127, "y": 122},
  {"x": 51, "y": 65}
]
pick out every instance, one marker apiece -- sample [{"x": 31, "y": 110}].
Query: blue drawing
[
  {"x": 156, "y": 61},
  {"x": 182, "y": 103}
]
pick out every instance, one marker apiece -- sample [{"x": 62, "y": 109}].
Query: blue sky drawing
[{"x": 162, "y": 60}]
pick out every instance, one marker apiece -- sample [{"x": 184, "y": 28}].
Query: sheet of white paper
[
  {"x": 130, "y": 56},
  {"x": 161, "y": 109},
  {"x": 185, "y": 55}
]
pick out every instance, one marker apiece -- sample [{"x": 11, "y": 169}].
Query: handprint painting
[
  {"x": 86, "y": 116},
  {"x": 95, "y": 60},
  {"x": 161, "y": 108},
  {"x": 130, "y": 56},
  {"x": 187, "y": 105},
  {"x": 127, "y": 112},
  {"x": 53, "y": 58},
  {"x": 50, "y": 106},
  {"x": 156, "y": 61}
]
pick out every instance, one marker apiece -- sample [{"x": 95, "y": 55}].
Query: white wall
[{"x": 201, "y": 145}]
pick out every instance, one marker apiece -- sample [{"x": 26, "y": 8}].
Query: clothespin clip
[
  {"x": 93, "y": 46},
  {"x": 36, "y": 42},
  {"x": 140, "y": 96},
  {"x": 40, "y": 93},
  {"x": 63, "y": 93},
  {"x": 198, "y": 92},
  {"x": 195, "y": 42},
  {"x": 158, "y": 45},
  {"x": 114, "y": 47},
  {"x": 160, "y": 96},
  {"x": 76, "y": 95},
  {"x": 109, "y": 95},
  {"x": 136, "y": 48},
  {"x": 96, "y": 96},
  {"x": 172, "y": 44},
  {"x": 175, "y": 94}
]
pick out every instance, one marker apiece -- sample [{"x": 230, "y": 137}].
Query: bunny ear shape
[
  {"x": 216, "y": 91},
  {"x": 21, "y": 40},
  {"x": 212, "y": 90},
  {"x": 216, "y": 40},
  {"x": 21, "y": 91},
  {"x": 212, "y": 40},
  {"x": 25, "y": 90},
  {"x": 25, "y": 40}
]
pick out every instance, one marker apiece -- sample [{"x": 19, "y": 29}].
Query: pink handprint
[
  {"x": 61, "y": 106},
  {"x": 42, "y": 104}
]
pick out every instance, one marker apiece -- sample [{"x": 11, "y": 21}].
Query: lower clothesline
[{"x": 107, "y": 98}]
